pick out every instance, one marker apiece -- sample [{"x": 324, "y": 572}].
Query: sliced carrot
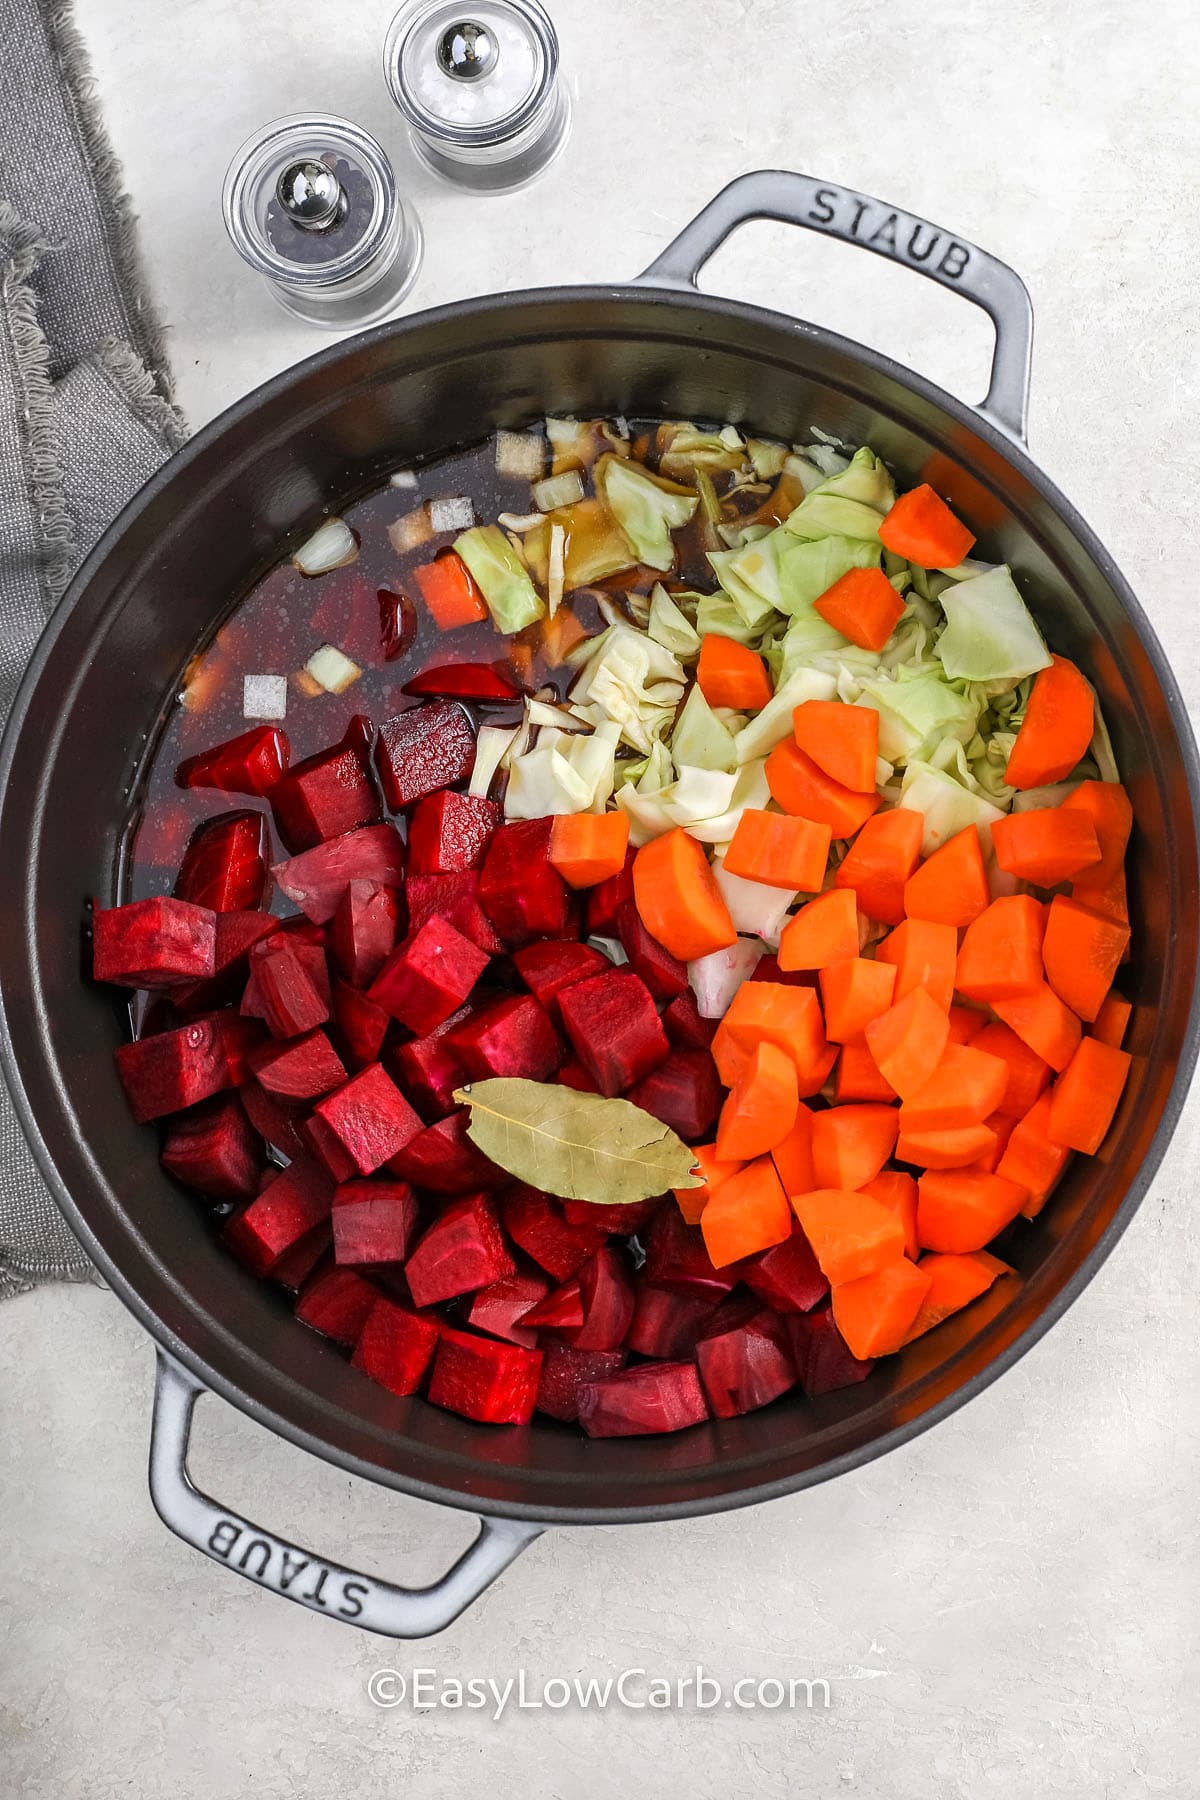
[
  {"x": 1028, "y": 1073},
  {"x": 954, "y": 1281},
  {"x": 1040, "y": 1020},
  {"x": 850, "y": 1144},
  {"x": 1112, "y": 1021},
  {"x": 769, "y": 1012},
  {"x": 748, "y": 1213},
  {"x": 960, "y": 1210},
  {"x": 876, "y": 1313},
  {"x": 692, "y": 1201},
  {"x": 850, "y": 1234},
  {"x": 859, "y": 1076},
  {"x": 965, "y": 1024},
  {"x": 812, "y": 1080},
  {"x": 1000, "y": 1126},
  {"x": 730, "y": 674},
  {"x": 761, "y": 1108},
  {"x": 951, "y": 886},
  {"x": 1059, "y": 723},
  {"x": 1105, "y": 895},
  {"x": 853, "y": 992},
  {"x": 864, "y": 606},
  {"x": 678, "y": 899},
  {"x": 966, "y": 1086},
  {"x": 1001, "y": 954},
  {"x": 1085, "y": 1096},
  {"x": 922, "y": 529},
  {"x": 587, "y": 848},
  {"x": 779, "y": 850},
  {"x": 822, "y": 932},
  {"x": 1046, "y": 845},
  {"x": 924, "y": 954},
  {"x": 964, "y": 1148},
  {"x": 898, "y": 1192},
  {"x": 793, "y": 1156},
  {"x": 1031, "y": 1159},
  {"x": 449, "y": 591},
  {"x": 880, "y": 861},
  {"x": 799, "y": 786},
  {"x": 1082, "y": 952},
  {"x": 842, "y": 740},
  {"x": 907, "y": 1042},
  {"x": 1108, "y": 806},
  {"x": 558, "y": 636}
]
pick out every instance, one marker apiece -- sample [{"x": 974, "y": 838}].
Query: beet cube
[
  {"x": 614, "y": 1026},
  {"x": 235, "y": 932},
  {"x": 317, "y": 879},
  {"x": 746, "y": 1366},
  {"x": 320, "y": 1141},
  {"x": 153, "y": 943},
  {"x": 619, "y": 1220},
  {"x": 396, "y": 1346},
  {"x": 548, "y": 968},
  {"x": 605, "y": 900},
  {"x": 663, "y": 974},
  {"x": 303, "y": 1068},
  {"x": 290, "y": 1214},
  {"x": 520, "y": 890},
  {"x": 561, "y": 1310},
  {"x": 665, "y": 1396},
  {"x": 175, "y": 1069},
  {"x": 284, "y": 987},
  {"x": 465, "y": 681},
  {"x": 607, "y": 1293},
  {"x": 482, "y": 1379},
  {"x": 684, "y": 1026},
  {"x": 676, "y": 1257},
  {"x": 422, "y": 750},
  {"x": 462, "y": 1250},
  {"x": 361, "y": 1026},
  {"x": 276, "y": 1123},
  {"x": 822, "y": 1356},
  {"x": 370, "y": 1118},
  {"x": 512, "y": 1038},
  {"x": 573, "y": 1075},
  {"x": 428, "y": 977},
  {"x": 667, "y": 1322},
  {"x": 428, "y": 1070},
  {"x": 214, "y": 1149},
  {"x": 787, "y": 1276},
  {"x": 326, "y": 795},
  {"x": 443, "y": 1159},
  {"x": 363, "y": 930},
  {"x": 454, "y": 898},
  {"x": 498, "y": 1308},
  {"x": 249, "y": 764},
  {"x": 373, "y": 1221},
  {"x": 336, "y": 1302},
  {"x": 565, "y": 1370},
  {"x": 449, "y": 832},
  {"x": 536, "y": 1224},
  {"x": 225, "y": 864},
  {"x": 684, "y": 1092}
]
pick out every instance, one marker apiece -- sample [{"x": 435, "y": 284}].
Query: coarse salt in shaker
[
  {"x": 311, "y": 203},
  {"x": 478, "y": 83}
]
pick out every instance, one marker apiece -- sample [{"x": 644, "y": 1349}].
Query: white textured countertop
[{"x": 1006, "y": 1607}]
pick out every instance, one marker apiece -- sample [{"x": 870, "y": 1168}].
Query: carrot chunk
[
  {"x": 1112, "y": 1021},
  {"x": 853, "y": 992},
  {"x": 692, "y": 1201},
  {"x": 1040, "y": 1020},
  {"x": 729, "y": 674},
  {"x": 966, "y": 1086},
  {"x": 859, "y": 1076},
  {"x": 850, "y": 1144},
  {"x": 842, "y": 740},
  {"x": 966, "y": 1147},
  {"x": 954, "y": 1281},
  {"x": 1105, "y": 895},
  {"x": 965, "y": 1024},
  {"x": 793, "y": 1156},
  {"x": 951, "y": 886},
  {"x": 588, "y": 848},
  {"x": 761, "y": 1108},
  {"x": 1085, "y": 1096},
  {"x": 880, "y": 860},
  {"x": 1001, "y": 954},
  {"x": 678, "y": 899},
  {"x": 1031, "y": 1159},
  {"x": 923, "y": 954},
  {"x": 779, "y": 850},
  {"x": 1057, "y": 728},
  {"x": 999, "y": 1127},
  {"x": 1046, "y": 845},
  {"x": 961, "y": 1210},
  {"x": 898, "y": 1192},
  {"x": 822, "y": 932},
  {"x": 774, "y": 1013},
  {"x": 907, "y": 1041},
  {"x": 864, "y": 606},
  {"x": 876, "y": 1313},
  {"x": 748, "y": 1212},
  {"x": 1028, "y": 1073},
  {"x": 922, "y": 529},
  {"x": 449, "y": 591},
  {"x": 1109, "y": 808},
  {"x": 850, "y": 1234},
  {"x": 1082, "y": 952},
  {"x": 800, "y": 786}
]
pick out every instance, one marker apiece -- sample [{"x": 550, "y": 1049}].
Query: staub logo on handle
[
  {"x": 275, "y": 1565},
  {"x": 897, "y": 234}
]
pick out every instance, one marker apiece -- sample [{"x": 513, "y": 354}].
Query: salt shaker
[
  {"x": 311, "y": 203},
  {"x": 479, "y": 85}
]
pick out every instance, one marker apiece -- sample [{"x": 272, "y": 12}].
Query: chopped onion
[
  {"x": 411, "y": 531},
  {"x": 331, "y": 546},
  {"x": 556, "y": 579},
  {"x": 403, "y": 478},
  {"x": 558, "y": 490},
  {"x": 454, "y": 514},
  {"x": 264, "y": 696},
  {"x": 520, "y": 454},
  {"x": 308, "y": 687},
  {"x": 520, "y": 522},
  {"x": 541, "y": 712},
  {"x": 331, "y": 669}
]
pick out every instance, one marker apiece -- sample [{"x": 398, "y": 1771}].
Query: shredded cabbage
[
  {"x": 946, "y": 806},
  {"x": 669, "y": 627},
  {"x": 774, "y": 722},
  {"x": 646, "y": 508},
  {"x": 990, "y": 634},
  {"x": 916, "y": 714},
  {"x": 717, "y": 613},
  {"x": 563, "y": 773},
  {"x": 627, "y": 678},
  {"x": 501, "y": 577},
  {"x": 808, "y": 569},
  {"x": 701, "y": 738}
]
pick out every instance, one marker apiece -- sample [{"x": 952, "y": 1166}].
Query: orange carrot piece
[
  {"x": 850, "y": 1234},
  {"x": 558, "y": 636},
  {"x": 1028, "y": 1073},
  {"x": 907, "y": 1042},
  {"x": 966, "y": 1086},
  {"x": 1059, "y": 722},
  {"x": 842, "y": 740},
  {"x": 1046, "y": 845},
  {"x": 951, "y": 885},
  {"x": 876, "y": 1313},
  {"x": 965, "y": 1024},
  {"x": 864, "y": 606},
  {"x": 1108, "y": 806},
  {"x": 850, "y": 1144},
  {"x": 859, "y": 1076},
  {"x": 793, "y": 1156},
  {"x": 1085, "y": 1096},
  {"x": 924, "y": 954},
  {"x": 587, "y": 848},
  {"x": 449, "y": 591},
  {"x": 922, "y": 529},
  {"x": 748, "y": 1213},
  {"x": 1040, "y": 1020},
  {"x": 1000, "y": 1128},
  {"x": 959, "y": 1210},
  {"x": 678, "y": 899},
  {"x": 898, "y": 1192},
  {"x": 1112, "y": 1021},
  {"x": 1105, "y": 895},
  {"x": 822, "y": 932},
  {"x": 966, "y": 1147},
  {"x": 730, "y": 674},
  {"x": 769, "y": 1012},
  {"x": 954, "y": 1281},
  {"x": 1001, "y": 954},
  {"x": 1082, "y": 952},
  {"x": 880, "y": 861},
  {"x": 692, "y": 1201},
  {"x": 799, "y": 786},
  {"x": 1031, "y": 1159},
  {"x": 779, "y": 850},
  {"x": 811, "y": 1079},
  {"x": 761, "y": 1108},
  {"x": 853, "y": 992}
]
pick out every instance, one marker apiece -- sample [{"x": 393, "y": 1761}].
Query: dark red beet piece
[
  {"x": 746, "y": 1366},
  {"x": 619, "y": 1220},
  {"x": 153, "y": 943},
  {"x": 497, "y": 1309},
  {"x": 607, "y": 1293},
  {"x": 561, "y": 1310},
  {"x": 336, "y": 1302},
  {"x": 462, "y": 1250},
  {"x": 546, "y": 969},
  {"x": 605, "y": 900},
  {"x": 396, "y": 1346},
  {"x": 397, "y": 624},
  {"x": 486, "y": 1380},
  {"x": 665, "y": 1396},
  {"x": 284, "y": 987},
  {"x": 520, "y": 890},
  {"x": 536, "y": 1224},
  {"x": 614, "y": 1026},
  {"x": 175, "y": 1069},
  {"x": 684, "y": 1092},
  {"x": 574, "y": 1075},
  {"x": 787, "y": 1276},
  {"x": 663, "y": 974},
  {"x": 303, "y": 1068},
  {"x": 235, "y": 933},
  {"x": 565, "y": 1370},
  {"x": 316, "y": 880},
  {"x": 822, "y": 1356},
  {"x": 362, "y": 932},
  {"x": 360, "y": 1026},
  {"x": 767, "y": 969},
  {"x": 370, "y": 1118},
  {"x": 667, "y": 1322},
  {"x": 684, "y": 1026},
  {"x": 274, "y": 1122},
  {"x": 373, "y": 1221},
  {"x": 428, "y": 1070},
  {"x": 422, "y": 750},
  {"x": 455, "y": 898},
  {"x": 464, "y": 681},
  {"x": 225, "y": 864},
  {"x": 326, "y": 795},
  {"x": 443, "y": 1159},
  {"x": 249, "y": 764},
  {"x": 676, "y": 1257},
  {"x": 450, "y": 832},
  {"x": 324, "y": 1144},
  {"x": 291, "y": 1213},
  {"x": 512, "y": 1038},
  {"x": 214, "y": 1149},
  {"x": 428, "y": 976}
]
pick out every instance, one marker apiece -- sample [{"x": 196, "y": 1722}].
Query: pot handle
[
  {"x": 296, "y": 1574},
  {"x": 858, "y": 219}
]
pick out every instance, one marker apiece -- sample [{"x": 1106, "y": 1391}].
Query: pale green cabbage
[
  {"x": 990, "y": 634},
  {"x": 646, "y": 509},
  {"x": 501, "y": 578},
  {"x": 701, "y": 738},
  {"x": 774, "y": 722},
  {"x": 669, "y": 627},
  {"x": 629, "y": 679}
]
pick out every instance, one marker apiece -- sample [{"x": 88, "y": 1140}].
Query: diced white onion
[
  {"x": 332, "y": 669},
  {"x": 521, "y": 454},
  {"x": 331, "y": 546},
  {"x": 556, "y": 577},
  {"x": 456, "y": 513},
  {"x": 403, "y": 478},
  {"x": 541, "y": 712},
  {"x": 520, "y": 522},
  {"x": 558, "y": 490},
  {"x": 264, "y": 696},
  {"x": 308, "y": 687},
  {"x": 411, "y": 531},
  {"x": 716, "y": 978}
]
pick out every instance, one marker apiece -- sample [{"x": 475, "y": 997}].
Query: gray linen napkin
[{"x": 85, "y": 418}]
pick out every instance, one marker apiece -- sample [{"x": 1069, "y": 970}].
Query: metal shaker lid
[{"x": 471, "y": 72}]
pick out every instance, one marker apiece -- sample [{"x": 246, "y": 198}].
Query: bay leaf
[{"x": 578, "y": 1146}]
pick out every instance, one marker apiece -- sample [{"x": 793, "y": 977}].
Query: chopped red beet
[
  {"x": 326, "y": 795},
  {"x": 396, "y": 1346},
  {"x": 427, "y": 978},
  {"x": 290, "y": 1214},
  {"x": 497, "y": 1309},
  {"x": 174, "y": 1069},
  {"x": 302, "y": 1068},
  {"x": 370, "y": 1118},
  {"x": 249, "y": 764},
  {"x": 213, "y": 1148},
  {"x": 561, "y": 1310},
  {"x": 153, "y": 943},
  {"x": 276, "y": 1123},
  {"x": 455, "y": 898},
  {"x": 676, "y": 1257},
  {"x": 235, "y": 933},
  {"x": 464, "y": 681},
  {"x": 745, "y": 1366},
  {"x": 787, "y": 1276},
  {"x": 574, "y": 1075},
  {"x": 520, "y": 890},
  {"x": 225, "y": 864},
  {"x": 362, "y": 932},
  {"x": 483, "y": 1379},
  {"x": 684, "y": 1092},
  {"x": 373, "y": 1221},
  {"x": 336, "y": 1302},
  {"x": 422, "y": 750},
  {"x": 663, "y": 974},
  {"x": 822, "y": 1357},
  {"x": 612, "y": 1021},
  {"x": 360, "y": 1026},
  {"x": 665, "y": 1396},
  {"x": 565, "y": 1370},
  {"x": 284, "y": 987},
  {"x": 546, "y": 969},
  {"x": 607, "y": 1293},
  {"x": 397, "y": 623},
  {"x": 536, "y": 1225},
  {"x": 316, "y": 880},
  {"x": 605, "y": 900},
  {"x": 667, "y": 1322},
  {"x": 321, "y": 1141},
  {"x": 428, "y": 1070},
  {"x": 619, "y": 1219},
  {"x": 462, "y": 1250},
  {"x": 684, "y": 1026},
  {"x": 512, "y": 1038},
  {"x": 443, "y": 1159},
  {"x": 449, "y": 832}
]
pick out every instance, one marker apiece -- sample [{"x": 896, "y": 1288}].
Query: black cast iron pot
[{"x": 203, "y": 531}]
